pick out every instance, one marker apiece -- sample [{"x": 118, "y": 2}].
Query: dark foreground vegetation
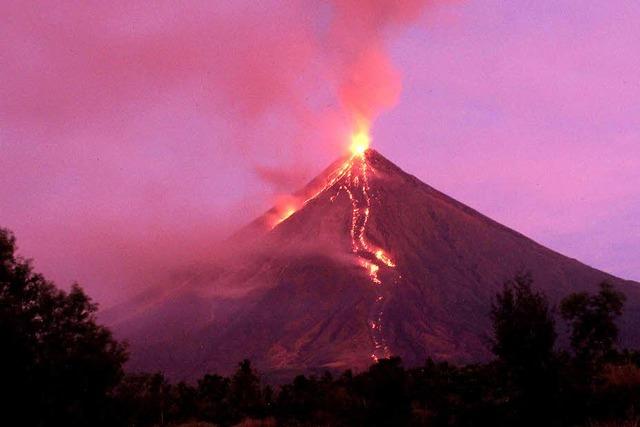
[{"x": 58, "y": 367}]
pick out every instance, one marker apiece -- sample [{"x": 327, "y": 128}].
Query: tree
[
  {"x": 523, "y": 340},
  {"x": 592, "y": 322},
  {"x": 57, "y": 365},
  {"x": 143, "y": 399},
  {"x": 245, "y": 394},
  {"x": 213, "y": 399},
  {"x": 182, "y": 402},
  {"x": 299, "y": 400},
  {"x": 523, "y": 328},
  {"x": 385, "y": 387}
]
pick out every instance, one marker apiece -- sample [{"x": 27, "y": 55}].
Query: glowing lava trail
[
  {"x": 371, "y": 258},
  {"x": 353, "y": 178}
]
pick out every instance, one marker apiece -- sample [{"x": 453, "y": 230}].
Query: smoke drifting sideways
[{"x": 135, "y": 136}]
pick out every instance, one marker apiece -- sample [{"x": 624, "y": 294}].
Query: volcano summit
[{"x": 367, "y": 262}]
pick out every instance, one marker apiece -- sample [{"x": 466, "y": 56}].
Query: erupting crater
[{"x": 352, "y": 179}]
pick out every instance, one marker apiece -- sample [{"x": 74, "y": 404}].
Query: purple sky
[{"x": 133, "y": 137}]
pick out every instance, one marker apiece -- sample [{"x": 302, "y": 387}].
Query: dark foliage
[
  {"x": 59, "y": 367},
  {"x": 529, "y": 383},
  {"x": 57, "y": 364},
  {"x": 592, "y": 320},
  {"x": 588, "y": 376},
  {"x": 524, "y": 339},
  {"x": 523, "y": 328},
  {"x": 213, "y": 399}
]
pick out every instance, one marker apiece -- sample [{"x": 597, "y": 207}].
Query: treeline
[{"x": 58, "y": 366}]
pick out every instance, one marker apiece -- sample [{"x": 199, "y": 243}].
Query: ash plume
[{"x": 126, "y": 109}]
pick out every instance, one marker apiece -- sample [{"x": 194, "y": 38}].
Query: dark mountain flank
[{"x": 372, "y": 263}]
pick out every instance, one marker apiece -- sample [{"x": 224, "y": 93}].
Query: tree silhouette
[
  {"x": 523, "y": 341},
  {"x": 386, "y": 391},
  {"x": 57, "y": 364},
  {"x": 245, "y": 394},
  {"x": 592, "y": 322},
  {"x": 523, "y": 328},
  {"x": 213, "y": 399}
]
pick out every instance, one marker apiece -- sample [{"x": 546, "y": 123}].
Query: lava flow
[
  {"x": 353, "y": 179},
  {"x": 371, "y": 258}
]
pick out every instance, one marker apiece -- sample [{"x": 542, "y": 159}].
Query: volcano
[{"x": 370, "y": 263}]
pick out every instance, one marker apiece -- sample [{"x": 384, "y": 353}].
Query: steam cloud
[
  {"x": 368, "y": 81},
  {"x": 115, "y": 104},
  {"x": 69, "y": 65}
]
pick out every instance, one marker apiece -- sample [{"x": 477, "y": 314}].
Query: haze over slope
[{"x": 374, "y": 262}]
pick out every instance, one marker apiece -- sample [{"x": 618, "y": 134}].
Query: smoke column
[{"x": 124, "y": 126}]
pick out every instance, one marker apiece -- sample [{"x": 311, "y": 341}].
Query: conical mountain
[{"x": 372, "y": 263}]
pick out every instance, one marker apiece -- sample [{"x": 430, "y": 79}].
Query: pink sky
[{"x": 133, "y": 137}]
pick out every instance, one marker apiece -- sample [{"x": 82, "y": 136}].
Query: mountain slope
[{"x": 373, "y": 262}]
